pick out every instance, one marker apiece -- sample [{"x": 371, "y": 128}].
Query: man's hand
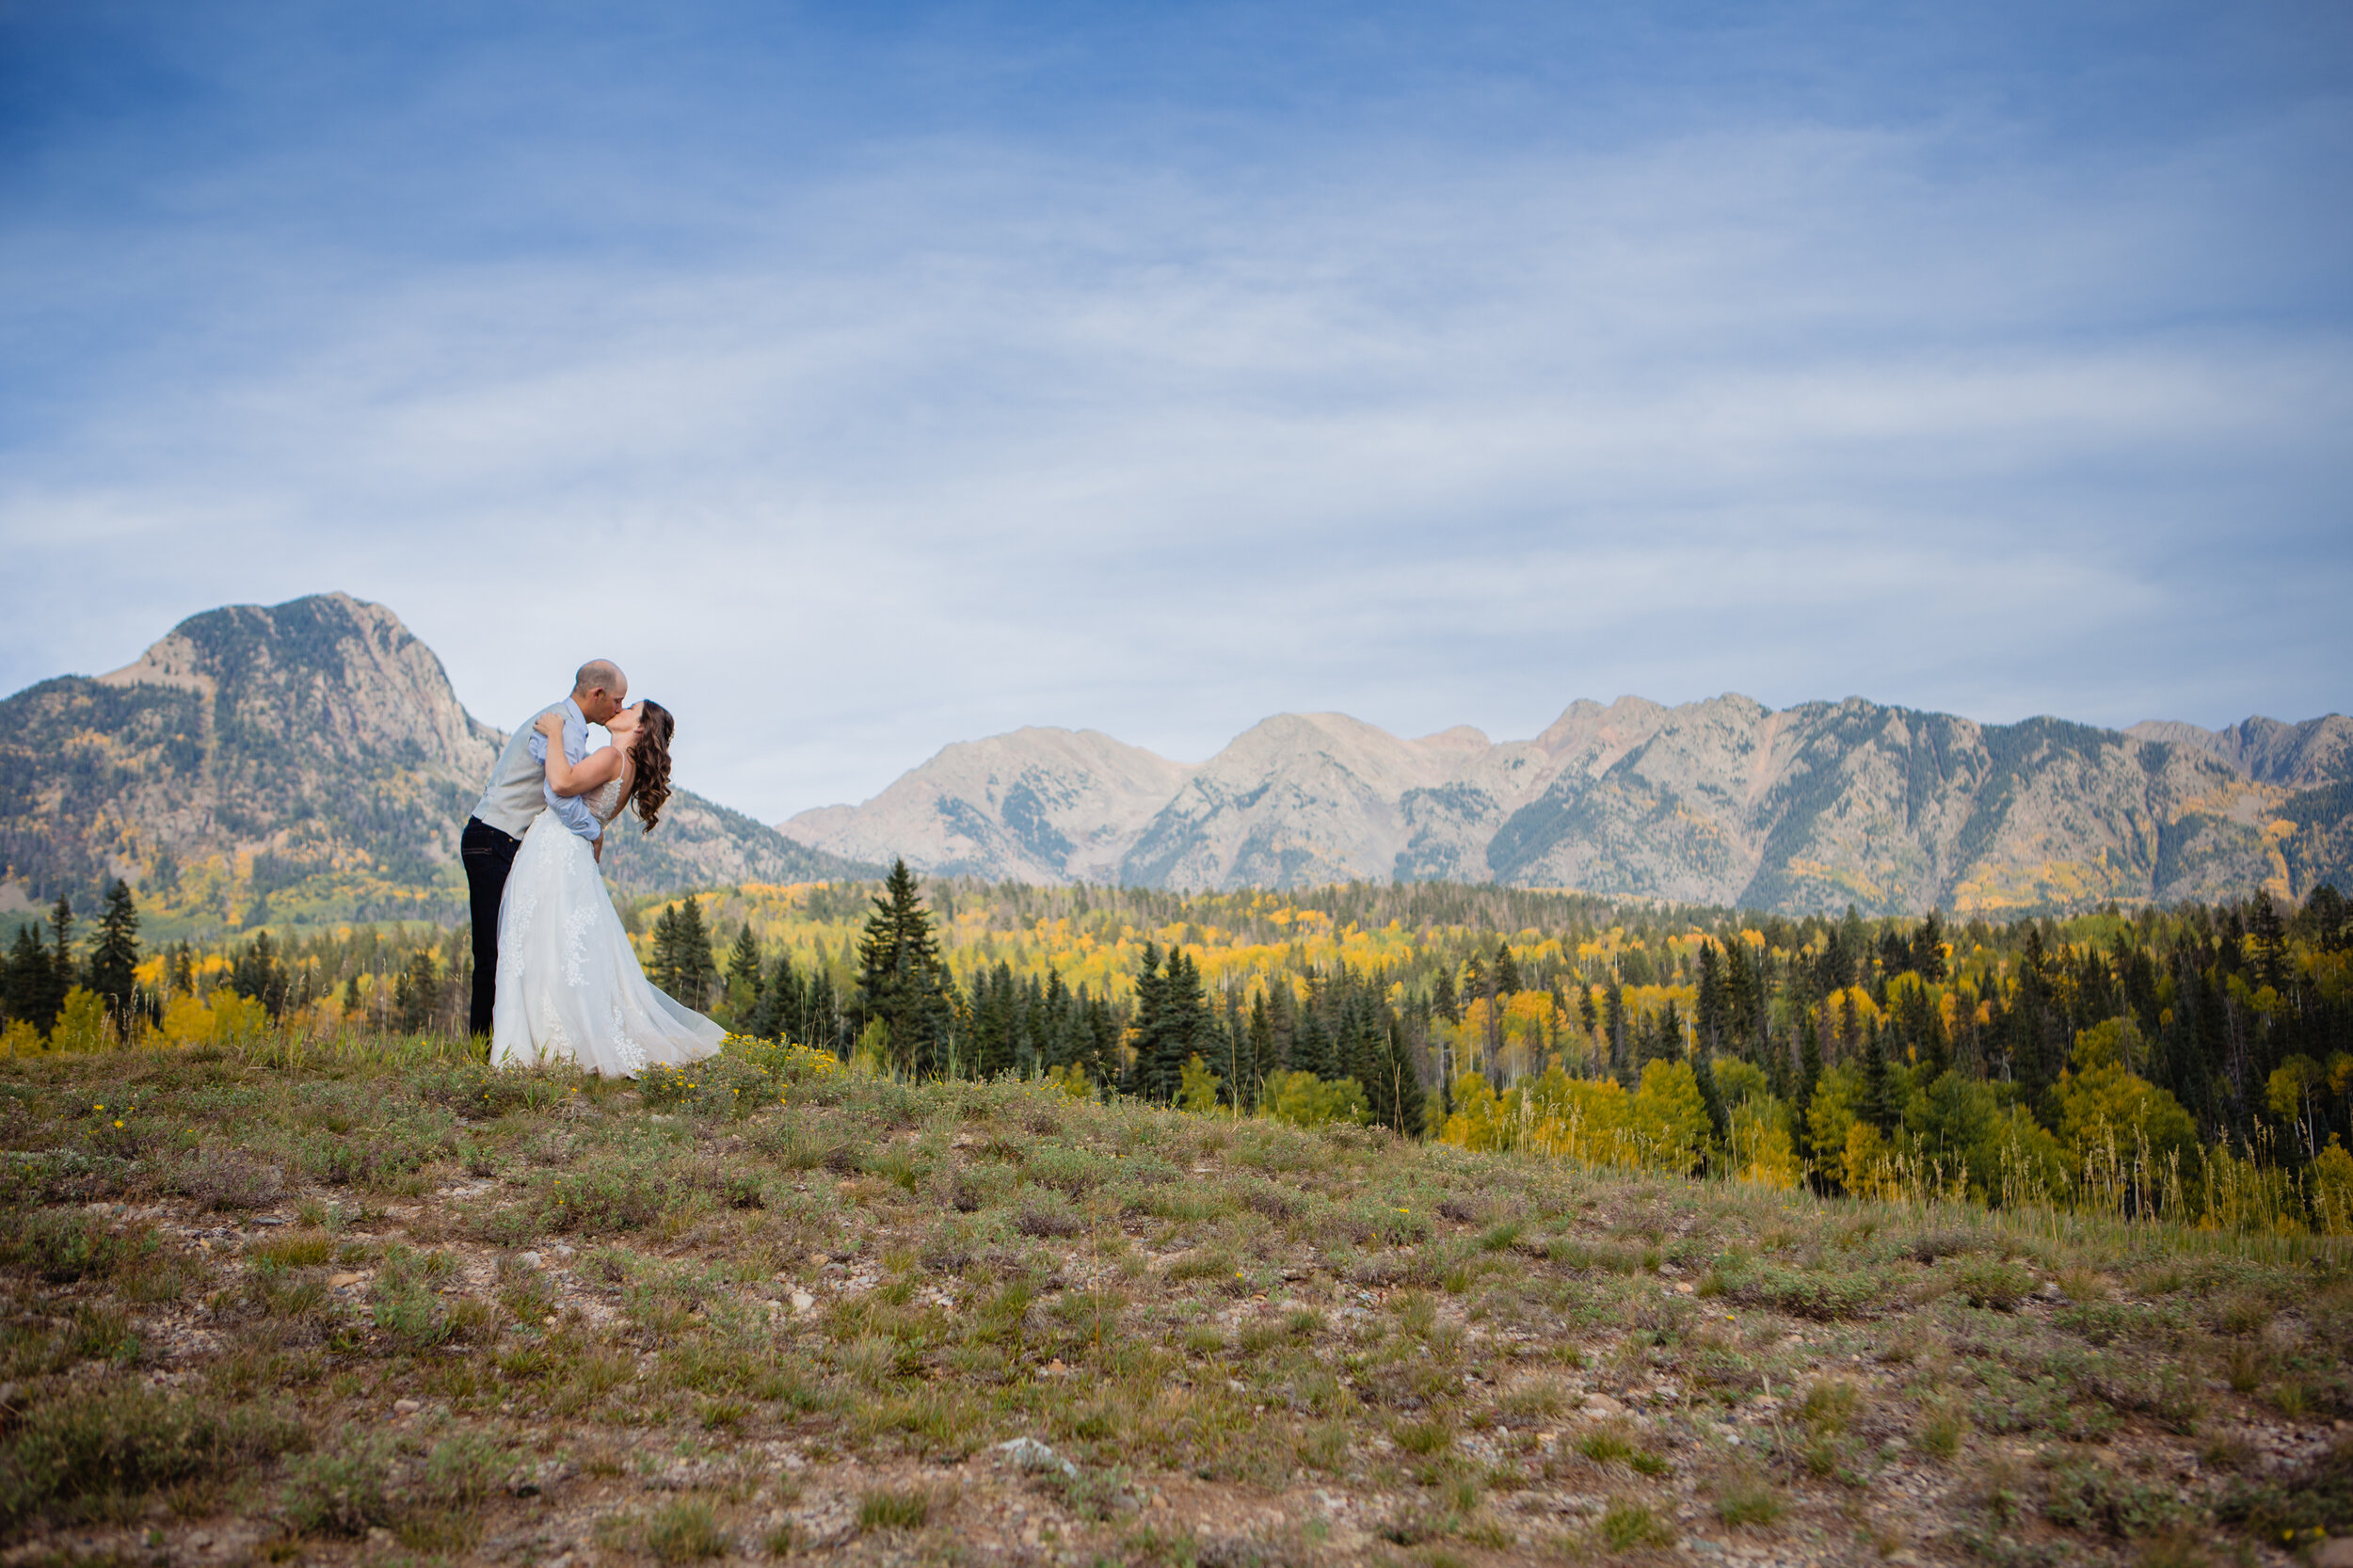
[{"x": 595, "y": 847}]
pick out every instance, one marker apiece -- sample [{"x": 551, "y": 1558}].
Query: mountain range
[
  {"x": 1725, "y": 802},
  {"x": 309, "y": 761},
  {"x": 300, "y": 762}
]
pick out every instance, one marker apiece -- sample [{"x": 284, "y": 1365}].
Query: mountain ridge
[
  {"x": 1721, "y": 801},
  {"x": 300, "y": 761}
]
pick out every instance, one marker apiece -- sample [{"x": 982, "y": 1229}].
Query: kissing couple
[{"x": 554, "y": 976}]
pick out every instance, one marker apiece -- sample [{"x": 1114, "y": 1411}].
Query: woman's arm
[{"x": 565, "y": 780}]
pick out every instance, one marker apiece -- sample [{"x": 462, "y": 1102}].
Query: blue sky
[{"x": 870, "y": 377}]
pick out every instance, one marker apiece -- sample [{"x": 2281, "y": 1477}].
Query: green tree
[
  {"x": 1313, "y": 1050},
  {"x": 665, "y": 969},
  {"x": 1393, "y": 1091},
  {"x": 258, "y": 975},
  {"x": 1261, "y": 1051},
  {"x": 697, "y": 971},
  {"x": 1809, "y": 1085},
  {"x": 1878, "y": 1107},
  {"x": 744, "y": 977},
  {"x": 29, "y": 992},
  {"x": 1172, "y": 1022},
  {"x": 902, "y": 984},
  {"x": 683, "y": 964},
  {"x": 1927, "y": 950},
  {"x": 114, "y": 963},
  {"x": 1711, "y": 1098},
  {"x": 417, "y": 993},
  {"x": 67, "y": 973}
]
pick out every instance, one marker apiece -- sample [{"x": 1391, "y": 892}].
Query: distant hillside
[
  {"x": 1723, "y": 802},
  {"x": 302, "y": 762}
]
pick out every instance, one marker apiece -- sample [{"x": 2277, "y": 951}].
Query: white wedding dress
[{"x": 570, "y": 985}]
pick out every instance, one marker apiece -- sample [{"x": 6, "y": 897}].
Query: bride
[{"x": 569, "y": 986}]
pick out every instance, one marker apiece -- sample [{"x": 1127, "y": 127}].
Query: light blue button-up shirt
[{"x": 571, "y": 810}]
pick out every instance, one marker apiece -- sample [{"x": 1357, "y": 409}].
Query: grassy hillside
[{"x": 361, "y": 1297}]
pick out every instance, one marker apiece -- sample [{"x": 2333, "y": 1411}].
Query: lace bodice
[{"x": 604, "y": 801}]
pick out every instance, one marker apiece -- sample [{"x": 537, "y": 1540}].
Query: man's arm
[{"x": 571, "y": 810}]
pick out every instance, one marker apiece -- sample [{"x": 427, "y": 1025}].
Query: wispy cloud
[{"x": 855, "y": 440}]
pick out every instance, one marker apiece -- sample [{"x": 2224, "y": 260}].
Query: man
[{"x": 519, "y": 792}]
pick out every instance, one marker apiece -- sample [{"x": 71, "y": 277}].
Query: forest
[{"x": 2196, "y": 1060}]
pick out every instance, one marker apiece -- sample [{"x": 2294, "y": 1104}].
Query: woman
[{"x": 569, "y": 987}]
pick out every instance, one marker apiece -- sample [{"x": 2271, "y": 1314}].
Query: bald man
[{"x": 519, "y": 792}]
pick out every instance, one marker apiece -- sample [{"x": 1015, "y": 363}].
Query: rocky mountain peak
[
  {"x": 1722, "y": 801},
  {"x": 304, "y": 761}
]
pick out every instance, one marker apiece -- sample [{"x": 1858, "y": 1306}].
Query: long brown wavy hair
[{"x": 651, "y": 754}]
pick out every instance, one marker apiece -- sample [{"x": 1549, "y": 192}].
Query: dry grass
[{"x": 775, "y": 1310}]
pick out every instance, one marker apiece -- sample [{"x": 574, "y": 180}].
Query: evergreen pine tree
[
  {"x": 1809, "y": 1079},
  {"x": 114, "y": 963},
  {"x": 1361, "y": 1038},
  {"x": 1709, "y": 1010},
  {"x": 902, "y": 984},
  {"x": 1621, "y": 1060},
  {"x": 1145, "y": 1021},
  {"x": 1101, "y": 1038},
  {"x": 697, "y": 968},
  {"x": 1928, "y": 949},
  {"x": 66, "y": 975},
  {"x": 417, "y": 993},
  {"x": 1442, "y": 1001},
  {"x": 1057, "y": 1044},
  {"x": 1741, "y": 1000},
  {"x": 783, "y": 1012},
  {"x": 1312, "y": 1048},
  {"x": 1261, "y": 1044},
  {"x": 258, "y": 976},
  {"x": 1877, "y": 1098},
  {"x": 744, "y": 982},
  {"x": 1711, "y": 1096},
  {"x": 992, "y": 1045},
  {"x": 1671, "y": 1043},
  {"x": 665, "y": 967},
  {"x": 30, "y": 981},
  {"x": 1393, "y": 1088},
  {"x": 1173, "y": 1032},
  {"x": 2267, "y": 936},
  {"x": 1507, "y": 971}
]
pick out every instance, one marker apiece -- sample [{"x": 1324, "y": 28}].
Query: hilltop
[{"x": 777, "y": 1308}]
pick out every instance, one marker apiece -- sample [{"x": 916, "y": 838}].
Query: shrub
[
  {"x": 64, "y": 1245},
  {"x": 2317, "y": 1497},
  {"x": 607, "y": 1197},
  {"x": 1301, "y": 1099},
  {"x": 1747, "y": 1500},
  {"x": 342, "y": 1491},
  {"x": 117, "y": 1440},
  {"x": 684, "y": 1531},
  {"x": 1627, "y": 1525},
  {"x": 411, "y": 1313},
  {"x": 1045, "y": 1223},
  {"x": 894, "y": 1511},
  {"x": 1824, "y": 1294},
  {"x": 462, "y": 1470},
  {"x": 218, "y": 1178},
  {"x": 2092, "y": 1496},
  {"x": 1994, "y": 1282}
]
